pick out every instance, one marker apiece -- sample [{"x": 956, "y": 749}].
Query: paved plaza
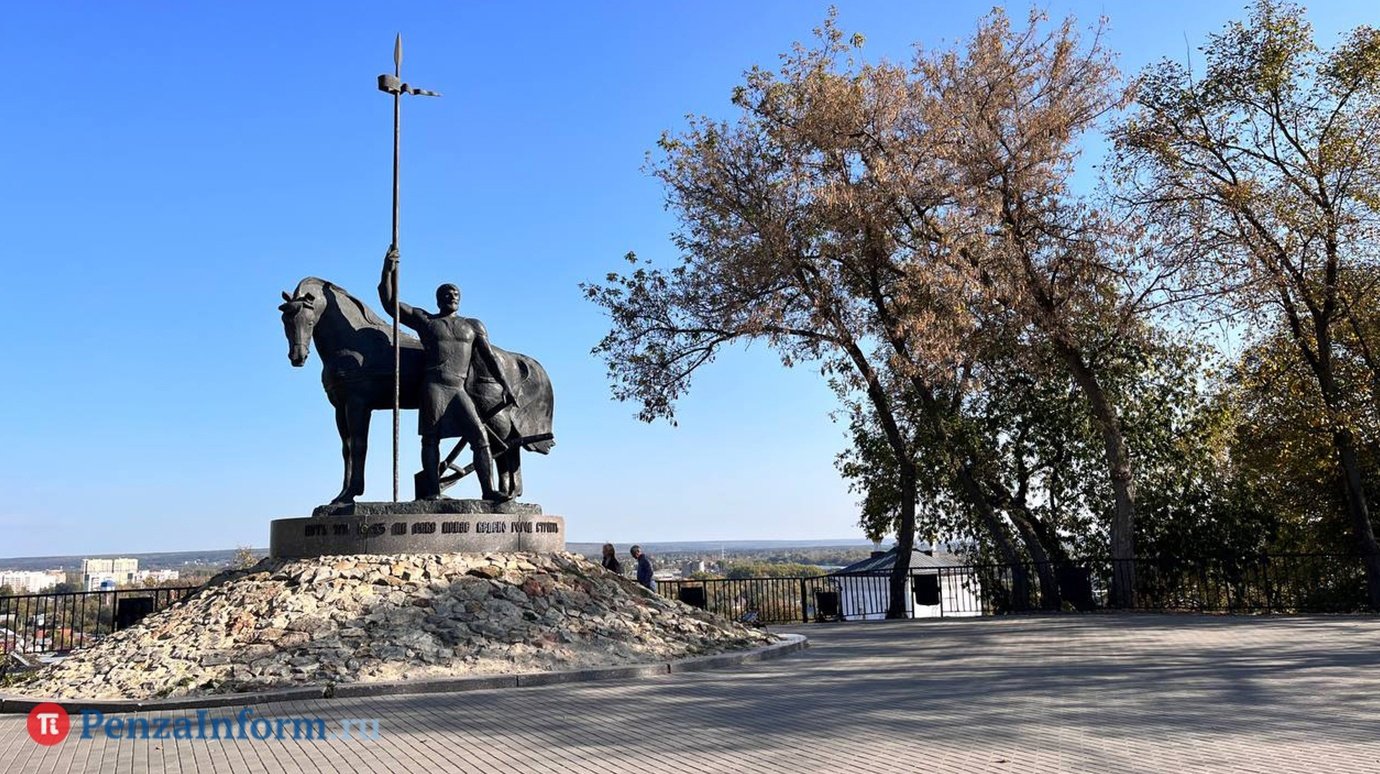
[{"x": 1095, "y": 693}]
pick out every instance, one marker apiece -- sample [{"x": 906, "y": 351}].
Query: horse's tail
[{"x": 538, "y": 404}]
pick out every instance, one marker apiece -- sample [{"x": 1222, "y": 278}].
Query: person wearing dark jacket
[
  {"x": 611, "y": 562},
  {"x": 644, "y": 568}
]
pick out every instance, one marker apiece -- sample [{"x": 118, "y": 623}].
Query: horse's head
[{"x": 299, "y": 319}]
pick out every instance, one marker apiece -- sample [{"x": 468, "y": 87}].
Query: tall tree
[
  {"x": 956, "y": 498},
  {"x": 1262, "y": 171},
  {"x": 982, "y": 184},
  {"x": 1282, "y": 452},
  {"x": 874, "y": 216},
  {"x": 975, "y": 151},
  {"x": 784, "y": 238}
]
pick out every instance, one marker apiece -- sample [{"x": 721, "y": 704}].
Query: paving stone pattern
[{"x": 1098, "y": 693}]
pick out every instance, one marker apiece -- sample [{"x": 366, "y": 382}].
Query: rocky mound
[{"x": 344, "y": 619}]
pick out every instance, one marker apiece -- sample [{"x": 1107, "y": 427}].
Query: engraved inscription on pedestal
[{"x": 450, "y": 528}]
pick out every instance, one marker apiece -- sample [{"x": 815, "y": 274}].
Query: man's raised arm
[{"x": 388, "y": 291}]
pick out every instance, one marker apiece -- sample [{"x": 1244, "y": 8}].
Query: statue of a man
[{"x": 446, "y": 410}]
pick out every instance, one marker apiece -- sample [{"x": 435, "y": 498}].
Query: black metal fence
[
  {"x": 857, "y": 596},
  {"x": 1278, "y": 583},
  {"x": 752, "y": 600},
  {"x": 56, "y": 623},
  {"x": 1273, "y": 583}
]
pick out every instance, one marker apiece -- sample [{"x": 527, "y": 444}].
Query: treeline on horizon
[{"x": 1183, "y": 358}]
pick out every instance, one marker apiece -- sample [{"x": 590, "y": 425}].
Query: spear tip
[{"x": 397, "y": 50}]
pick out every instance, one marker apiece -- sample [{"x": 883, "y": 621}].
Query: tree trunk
[
  {"x": 1049, "y": 539},
  {"x": 905, "y": 543},
  {"x": 972, "y": 490},
  {"x": 905, "y": 532},
  {"x": 1050, "y": 598},
  {"x": 1040, "y": 541},
  {"x": 1019, "y": 598},
  {"x": 1359, "y": 510},
  {"x": 1357, "y": 505},
  {"x": 1118, "y": 457}
]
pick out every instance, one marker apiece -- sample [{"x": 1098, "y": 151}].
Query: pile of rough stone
[{"x": 343, "y": 619}]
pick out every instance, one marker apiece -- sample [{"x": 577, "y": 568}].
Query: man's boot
[{"x": 428, "y": 482}]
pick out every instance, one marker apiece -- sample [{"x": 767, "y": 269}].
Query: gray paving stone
[
  {"x": 440, "y": 685},
  {"x": 1098, "y": 693},
  {"x": 531, "y": 679}
]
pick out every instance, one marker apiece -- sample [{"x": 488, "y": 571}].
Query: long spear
[{"x": 393, "y": 84}]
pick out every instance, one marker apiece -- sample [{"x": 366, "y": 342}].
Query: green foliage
[
  {"x": 11, "y": 675},
  {"x": 995, "y": 341},
  {"x": 1260, "y": 180},
  {"x": 1283, "y": 457},
  {"x": 771, "y": 570}
]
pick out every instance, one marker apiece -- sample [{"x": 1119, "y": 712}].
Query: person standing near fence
[
  {"x": 611, "y": 562},
  {"x": 644, "y": 568}
]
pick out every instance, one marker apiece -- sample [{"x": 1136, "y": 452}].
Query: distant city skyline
[{"x": 171, "y": 168}]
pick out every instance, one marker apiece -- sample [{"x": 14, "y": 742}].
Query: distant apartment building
[
  {"x": 99, "y": 581},
  {"x": 115, "y": 566},
  {"x": 156, "y": 576},
  {"x": 97, "y": 574},
  {"x": 29, "y": 581}
]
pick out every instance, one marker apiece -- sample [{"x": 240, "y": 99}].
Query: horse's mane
[{"x": 357, "y": 312}]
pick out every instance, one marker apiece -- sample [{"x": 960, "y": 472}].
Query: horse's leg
[
  {"x": 513, "y": 464},
  {"x": 342, "y": 425},
  {"x": 502, "y": 429},
  {"x": 505, "y": 479},
  {"x": 359, "y": 445}
]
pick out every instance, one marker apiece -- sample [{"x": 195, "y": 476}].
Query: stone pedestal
[{"x": 419, "y": 527}]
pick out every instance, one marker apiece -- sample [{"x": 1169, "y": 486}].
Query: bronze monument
[
  {"x": 357, "y": 374},
  {"x": 497, "y": 403}
]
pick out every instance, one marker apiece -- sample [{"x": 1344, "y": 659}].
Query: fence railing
[
  {"x": 751, "y": 600},
  {"x": 1263, "y": 583},
  {"x": 59, "y": 622},
  {"x": 1277, "y": 583}
]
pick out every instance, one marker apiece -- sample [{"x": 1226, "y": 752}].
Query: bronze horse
[{"x": 356, "y": 352}]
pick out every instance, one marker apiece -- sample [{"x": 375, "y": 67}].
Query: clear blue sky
[{"x": 168, "y": 168}]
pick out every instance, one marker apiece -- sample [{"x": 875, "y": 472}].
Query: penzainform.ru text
[{"x": 53, "y": 725}]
